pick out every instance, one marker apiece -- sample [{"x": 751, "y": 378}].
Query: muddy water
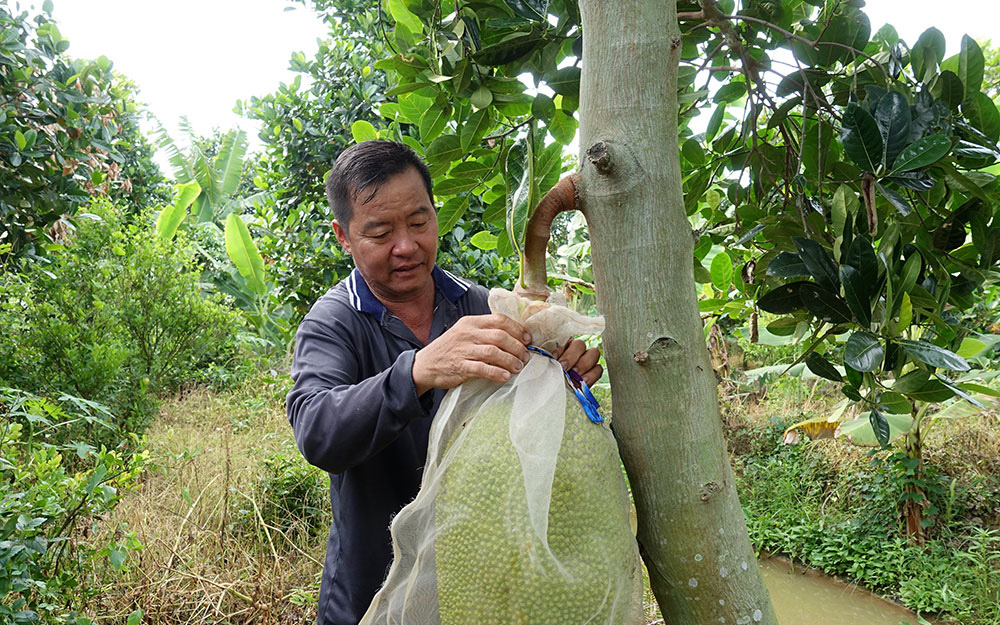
[{"x": 809, "y": 599}]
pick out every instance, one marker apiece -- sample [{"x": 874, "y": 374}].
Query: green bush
[
  {"x": 55, "y": 482},
  {"x": 114, "y": 315}
]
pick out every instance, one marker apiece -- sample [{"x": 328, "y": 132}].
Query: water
[{"x": 801, "y": 598}]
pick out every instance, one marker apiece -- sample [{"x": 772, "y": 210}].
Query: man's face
[{"x": 393, "y": 238}]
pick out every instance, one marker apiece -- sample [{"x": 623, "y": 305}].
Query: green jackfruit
[{"x": 491, "y": 566}]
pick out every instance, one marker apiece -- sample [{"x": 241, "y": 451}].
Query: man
[{"x": 375, "y": 355}]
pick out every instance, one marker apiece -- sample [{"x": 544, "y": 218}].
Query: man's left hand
[{"x": 575, "y": 355}]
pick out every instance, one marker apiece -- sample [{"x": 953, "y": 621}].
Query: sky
[
  {"x": 198, "y": 57},
  {"x": 193, "y": 57}
]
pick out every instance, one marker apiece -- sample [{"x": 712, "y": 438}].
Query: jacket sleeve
[{"x": 340, "y": 419}]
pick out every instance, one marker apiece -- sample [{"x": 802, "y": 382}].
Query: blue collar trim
[{"x": 362, "y": 298}]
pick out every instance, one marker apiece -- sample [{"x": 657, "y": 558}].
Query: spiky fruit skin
[{"x": 491, "y": 566}]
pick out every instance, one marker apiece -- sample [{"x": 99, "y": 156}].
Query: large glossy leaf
[
  {"x": 244, "y": 253},
  {"x": 433, "y": 121},
  {"x": 880, "y": 426},
  {"x": 451, "y": 212},
  {"x": 824, "y": 304},
  {"x": 860, "y": 431},
  {"x": 475, "y": 128},
  {"x": 171, "y": 216},
  {"x": 897, "y": 200},
  {"x": 362, "y": 130},
  {"x": 857, "y": 292},
  {"x": 949, "y": 89},
  {"x": 982, "y": 113},
  {"x": 399, "y": 12},
  {"x": 932, "y": 391},
  {"x": 822, "y": 367},
  {"x": 819, "y": 263},
  {"x": 529, "y": 9},
  {"x": 893, "y": 117},
  {"x": 863, "y": 352},
  {"x": 935, "y": 356},
  {"x": 562, "y": 126},
  {"x": 862, "y": 138},
  {"x": 783, "y": 299},
  {"x": 788, "y": 265},
  {"x": 922, "y": 153},
  {"x": 971, "y": 65},
  {"x": 927, "y": 53},
  {"x": 861, "y": 256},
  {"x": 911, "y": 381},
  {"x": 565, "y": 81},
  {"x": 444, "y": 149},
  {"x": 722, "y": 271}
]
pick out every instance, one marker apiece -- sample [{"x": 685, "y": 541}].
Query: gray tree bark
[{"x": 691, "y": 532}]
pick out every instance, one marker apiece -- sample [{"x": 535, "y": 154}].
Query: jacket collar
[{"x": 362, "y": 298}]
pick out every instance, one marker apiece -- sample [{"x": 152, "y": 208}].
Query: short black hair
[{"x": 366, "y": 166}]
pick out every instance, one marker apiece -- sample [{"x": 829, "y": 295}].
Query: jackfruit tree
[{"x": 771, "y": 163}]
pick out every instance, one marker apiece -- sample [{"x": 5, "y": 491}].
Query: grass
[{"x": 229, "y": 533}]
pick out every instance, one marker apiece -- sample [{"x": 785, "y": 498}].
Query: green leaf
[
  {"x": 912, "y": 381},
  {"x": 402, "y": 15},
  {"x": 562, "y": 127},
  {"x": 470, "y": 169},
  {"x": 905, "y": 313},
  {"x": 910, "y": 273},
  {"x": 982, "y": 113},
  {"x": 893, "y": 118},
  {"x": 565, "y": 81},
  {"x": 363, "y": 131},
  {"x": 788, "y": 265},
  {"x": 863, "y": 352},
  {"x": 451, "y": 212},
  {"x": 433, "y": 121},
  {"x": 880, "y": 426},
  {"x": 927, "y": 53},
  {"x": 825, "y": 305},
  {"x": 693, "y": 152},
  {"x": 783, "y": 299},
  {"x": 971, "y": 66},
  {"x": 521, "y": 195},
  {"x": 484, "y": 240},
  {"x": 543, "y": 107},
  {"x": 171, "y": 216},
  {"x": 134, "y": 618},
  {"x": 482, "y": 97},
  {"x": 954, "y": 389},
  {"x": 20, "y": 140},
  {"x": 229, "y": 162},
  {"x": 454, "y": 186},
  {"x": 444, "y": 149},
  {"x": 858, "y": 295},
  {"x": 949, "y": 89},
  {"x": 475, "y": 128},
  {"x": 935, "y": 356},
  {"x": 860, "y": 432},
  {"x": 730, "y": 92},
  {"x": 932, "y": 391},
  {"x": 244, "y": 253},
  {"x": 897, "y": 200},
  {"x": 970, "y": 347},
  {"x": 722, "y": 271},
  {"x": 822, "y": 367},
  {"x": 117, "y": 557},
  {"x": 894, "y": 403},
  {"x": 862, "y": 257},
  {"x": 845, "y": 204},
  {"x": 715, "y": 122},
  {"x": 862, "y": 138},
  {"x": 819, "y": 262},
  {"x": 922, "y": 153}
]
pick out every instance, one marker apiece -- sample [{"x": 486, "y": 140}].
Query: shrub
[
  {"x": 53, "y": 483},
  {"x": 114, "y": 315}
]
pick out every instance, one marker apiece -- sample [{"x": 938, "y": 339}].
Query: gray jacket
[{"x": 356, "y": 415}]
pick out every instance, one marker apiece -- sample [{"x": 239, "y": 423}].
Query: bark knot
[
  {"x": 600, "y": 157},
  {"x": 710, "y": 489}
]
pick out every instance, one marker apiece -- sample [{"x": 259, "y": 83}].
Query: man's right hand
[{"x": 477, "y": 346}]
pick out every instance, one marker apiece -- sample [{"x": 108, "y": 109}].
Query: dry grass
[{"x": 209, "y": 555}]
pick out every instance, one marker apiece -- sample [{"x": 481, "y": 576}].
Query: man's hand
[
  {"x": 477, "y": 346},
  {"x": 575, "y": 355}
]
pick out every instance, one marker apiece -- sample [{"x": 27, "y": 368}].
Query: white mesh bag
[{"x": 522, "y": 515}]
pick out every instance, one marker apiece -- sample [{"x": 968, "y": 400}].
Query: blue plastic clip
[{"x": 580, "y": 389}]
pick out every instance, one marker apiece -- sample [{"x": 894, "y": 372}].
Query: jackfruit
[{"x": 493, "y": 568}]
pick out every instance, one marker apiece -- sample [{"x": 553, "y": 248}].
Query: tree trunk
[{"x": 666, "y": 415}]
